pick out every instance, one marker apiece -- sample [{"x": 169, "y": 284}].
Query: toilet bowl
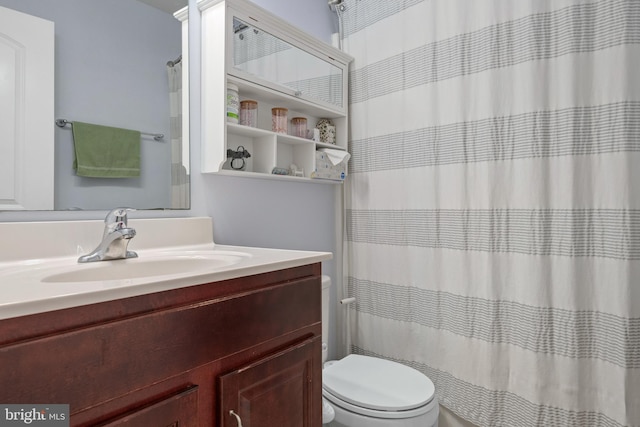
[{"x": 364, "y": 391}]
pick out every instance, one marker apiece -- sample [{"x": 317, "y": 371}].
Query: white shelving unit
[{"x": 267, "y": 149}]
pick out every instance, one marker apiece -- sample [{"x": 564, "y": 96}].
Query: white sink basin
[
  {"x": 134, "y": 268},
  {"x": 43, "y": 273}
]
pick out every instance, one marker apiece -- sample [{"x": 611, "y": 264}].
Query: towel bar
[{"x": 157, "y": 136}]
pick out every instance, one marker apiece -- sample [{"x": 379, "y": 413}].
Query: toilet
[{"x": 364, "y": 391}]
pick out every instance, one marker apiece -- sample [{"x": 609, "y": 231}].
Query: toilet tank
[{"x": 326, "y": 289}]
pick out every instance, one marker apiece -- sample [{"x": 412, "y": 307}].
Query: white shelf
[
  {"x": 247, "y": 131},
  {"x": 255, "y": 175},
  {"x": 268, "y": 149},
  {"x": 331, "y": 146}
]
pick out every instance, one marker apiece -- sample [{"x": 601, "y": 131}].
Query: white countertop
[{"x": 25, "y": 289}]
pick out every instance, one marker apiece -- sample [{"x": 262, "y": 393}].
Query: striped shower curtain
[{"x": 493, "y": 203}]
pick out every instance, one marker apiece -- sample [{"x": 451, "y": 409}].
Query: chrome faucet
[{"x": 115, "y": 238}]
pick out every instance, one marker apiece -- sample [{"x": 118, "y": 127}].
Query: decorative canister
[
  {"x": 279, "y": 120},
  {"x": 249, "y": 113},
  {"x": 327, "y": 131},
  {"x": 299, "y": 127},
  {"x": 233, "y": 103}
]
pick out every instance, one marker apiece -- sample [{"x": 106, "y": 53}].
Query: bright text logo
[{"x": 36, "y": 415}]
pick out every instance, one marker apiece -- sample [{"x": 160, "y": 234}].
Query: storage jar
[
  {"x": 249, "y": 113},
  {"x": 279, "y": 123},
  {"x": 299, "y": 127}
]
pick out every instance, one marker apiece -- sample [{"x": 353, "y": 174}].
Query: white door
[{"x": 26, "y": 111}]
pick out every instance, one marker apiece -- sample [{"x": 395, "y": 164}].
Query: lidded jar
[
  {"x": 279, "y": 123},
  {"x": 249, "y": 113},
  {"x": 299, "y": 127}
]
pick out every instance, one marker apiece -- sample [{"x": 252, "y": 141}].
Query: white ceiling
[{"x": 168, "y": 6}]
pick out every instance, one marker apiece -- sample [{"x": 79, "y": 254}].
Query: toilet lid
[{"x": 377, "y": 384}]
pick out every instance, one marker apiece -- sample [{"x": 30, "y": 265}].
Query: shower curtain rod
[
  {"x": 63, "y": 122},
  {"x": 335, "y": 4},
  {"x": 175, "y": 61}
]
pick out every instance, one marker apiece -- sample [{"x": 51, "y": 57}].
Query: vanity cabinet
[
  {"x": 277, "y": 65},
  {"x": 180, "y": 409},
  {"x": 273, "y": 391},
  {"x": 184, "y": 357}
]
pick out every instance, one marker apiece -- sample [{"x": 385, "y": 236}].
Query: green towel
[{"x": 106, "y": 152}]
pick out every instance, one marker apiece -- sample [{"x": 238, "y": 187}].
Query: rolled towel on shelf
[{"x": 106, "y": 152}]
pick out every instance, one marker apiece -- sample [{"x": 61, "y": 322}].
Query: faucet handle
[{"x": 116, "y": 219}]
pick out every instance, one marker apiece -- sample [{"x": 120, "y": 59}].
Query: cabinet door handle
[{"x": 237, "y": 417}]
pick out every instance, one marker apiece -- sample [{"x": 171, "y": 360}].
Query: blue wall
[{"x": 267, "y": 213}]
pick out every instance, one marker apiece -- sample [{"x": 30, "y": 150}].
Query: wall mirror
[
  {"x": 118, "y": 64},
  {"x": 283, "y": 66}
]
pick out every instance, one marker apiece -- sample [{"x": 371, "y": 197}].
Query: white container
[
  {"x": 233, "y": 103},
  {"x": 329, "y": 167}
]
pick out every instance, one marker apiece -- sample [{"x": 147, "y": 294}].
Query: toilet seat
[{"x": 376, "y": 387}]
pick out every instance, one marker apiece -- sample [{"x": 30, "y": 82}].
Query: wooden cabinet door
[
  {"x": 284, "y": 390},
  {"x": 178, "y": 410}
]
